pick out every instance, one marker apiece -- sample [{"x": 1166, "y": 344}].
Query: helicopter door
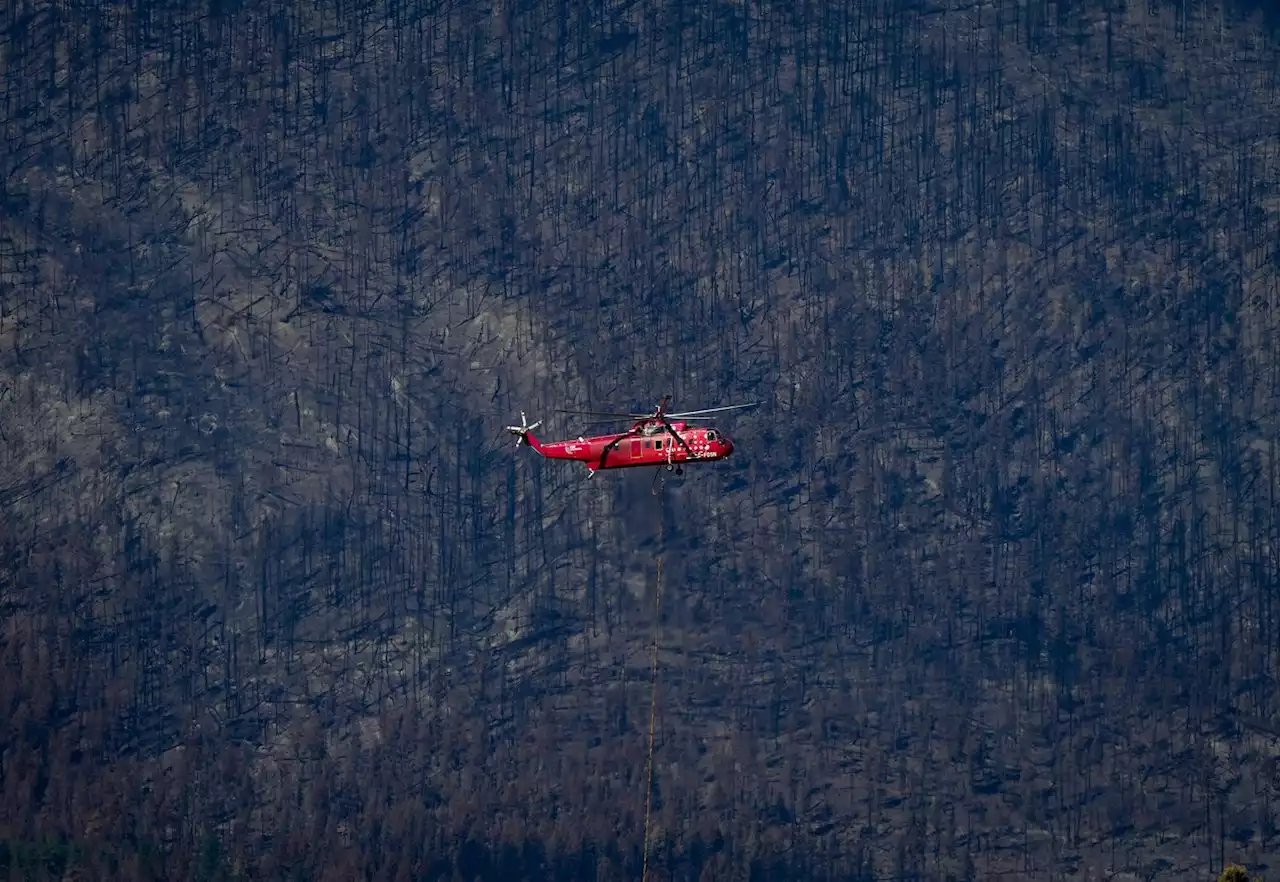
[{"x": 635, "y": 449}]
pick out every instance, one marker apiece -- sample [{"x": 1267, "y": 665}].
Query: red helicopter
[{"x": 653, "y": 440}]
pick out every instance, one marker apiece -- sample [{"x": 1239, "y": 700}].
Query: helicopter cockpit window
[{"x": 711, "y": 435}]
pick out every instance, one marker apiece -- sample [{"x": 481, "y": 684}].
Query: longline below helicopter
[{"x": 654, "y": 439}]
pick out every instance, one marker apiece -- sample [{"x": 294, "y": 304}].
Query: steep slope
[{"x": 987, "y": 587}]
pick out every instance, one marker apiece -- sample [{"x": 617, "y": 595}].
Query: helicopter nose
[{"x": 728, "y": 446}]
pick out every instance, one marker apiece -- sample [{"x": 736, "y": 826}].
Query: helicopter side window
[
  {"x": 711, "y": 434},
  {"x": 658, "y": 444}
]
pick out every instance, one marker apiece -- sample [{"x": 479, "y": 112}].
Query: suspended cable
[{"x": 653, "y": 685}]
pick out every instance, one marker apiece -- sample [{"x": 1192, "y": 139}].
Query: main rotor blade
[
  {"x": 689, "y": 413},
  {"x": 601, "y": 413}
]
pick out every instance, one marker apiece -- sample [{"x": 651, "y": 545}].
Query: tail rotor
[{"x": 522, "y": 431}]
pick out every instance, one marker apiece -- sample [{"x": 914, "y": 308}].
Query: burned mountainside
[{"x": 988, "y": 585}]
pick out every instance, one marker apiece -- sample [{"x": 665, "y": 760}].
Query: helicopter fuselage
[{"x": 645, "y": 444}]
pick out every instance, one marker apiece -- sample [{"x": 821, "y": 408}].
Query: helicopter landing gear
[{"x": 659, "y": 481}]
